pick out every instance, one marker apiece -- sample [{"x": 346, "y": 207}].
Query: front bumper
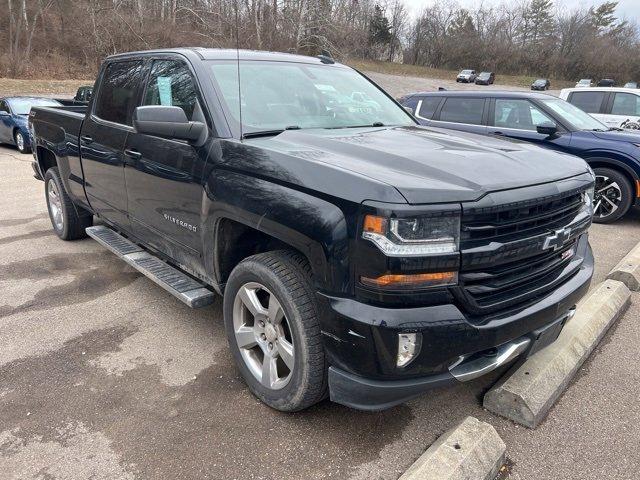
[{"x": 361, "y": 349}]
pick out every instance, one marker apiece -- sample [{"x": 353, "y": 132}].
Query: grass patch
[
  {"x": 12, "y": 86},
  {"x": 426, "y": 72}
]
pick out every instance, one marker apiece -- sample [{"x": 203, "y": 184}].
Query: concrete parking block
[
  {"x": 472, "y": 450},
  {"x": 628, "y": 270},
  {"x": 529, "y": 390}
]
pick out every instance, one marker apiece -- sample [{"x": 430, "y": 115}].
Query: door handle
[
  {"x": 86, "y": 139},
  {"x": 133, "y": 154},
  {"x": 498, "y": 134}
]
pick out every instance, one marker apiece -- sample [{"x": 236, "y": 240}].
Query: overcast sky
[{"x": 629, "y": 9}]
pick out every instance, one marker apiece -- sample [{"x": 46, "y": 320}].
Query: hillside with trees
[{"x": 69, "y": 38}]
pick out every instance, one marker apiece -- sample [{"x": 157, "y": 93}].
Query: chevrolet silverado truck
[{"x": 360, "y": 256}]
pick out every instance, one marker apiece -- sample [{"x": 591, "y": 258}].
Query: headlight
[
  {"x": 417, "y": 236},
  {"x": 587, "y": 196}
]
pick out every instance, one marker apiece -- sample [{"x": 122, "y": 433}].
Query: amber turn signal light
[
  {"x": 374, "y": 224},
  {"x": 419, "y": 280}
]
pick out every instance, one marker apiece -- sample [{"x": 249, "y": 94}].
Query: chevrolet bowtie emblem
[{"x": 557, "y": 239}]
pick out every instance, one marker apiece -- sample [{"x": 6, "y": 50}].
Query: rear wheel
[
  {"x": 613, "y": 195},
  {"x": 270, "y": 316},
  {"x": 68, "y": 221},
  {"x": 20, "y": 142}
]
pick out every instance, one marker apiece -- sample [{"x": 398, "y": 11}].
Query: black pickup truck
[{"x": 360, "y": 255}]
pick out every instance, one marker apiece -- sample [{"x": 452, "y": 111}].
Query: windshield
[
  {"x": 584, "y": 82},
  {"x": 484, "y": 75},
  {"x": 280, "y": 95},
  {"x": 465, "y": 72},
  {"x": 22, "y": 106},
  {"x": 540, "y": 82},
  {"x": 573, "y": 115}
]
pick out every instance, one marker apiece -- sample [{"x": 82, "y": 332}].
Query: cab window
[
  {"x": 626, "y": 104},
  {"x": 171, "y": 84},
  {"x": 427, "y": 107},
  {"x": 518, "y": 114},
  {"x": 119, "y": 92},
  {"x": 462, "y": 110}
]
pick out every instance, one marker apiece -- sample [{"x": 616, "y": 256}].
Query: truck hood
[{"x": 426, "y": 164}]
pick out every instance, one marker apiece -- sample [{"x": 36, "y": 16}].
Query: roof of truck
[{"x": 227, "y": 54}]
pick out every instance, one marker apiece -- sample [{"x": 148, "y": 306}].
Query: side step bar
[{"x": 180, "y": 285}]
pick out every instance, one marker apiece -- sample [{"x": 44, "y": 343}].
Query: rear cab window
[
  {"x": 462, "y": 110},
  {"x": 119, "y": 89},
  {"x": 590, "y": 102}
]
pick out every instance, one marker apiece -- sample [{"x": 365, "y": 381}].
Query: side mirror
[
  {"x": 167, "y": 122},
  {"x": 547, "y": 128},
  {"x": 409, "y": 109}
]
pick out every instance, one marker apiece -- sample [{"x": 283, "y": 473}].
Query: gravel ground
[{"x": 104, "y": 375}]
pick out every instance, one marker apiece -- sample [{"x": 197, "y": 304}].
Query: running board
[{"x": 179, "y": 284}]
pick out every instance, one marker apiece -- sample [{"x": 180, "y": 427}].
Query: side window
[
  {"x": 118, "y": 92},
  {"x": 518, "y": 114},
  {"x": 427, "y": 107},
  {"x": 626, "y": 104},
  {"x": 462, "y": 110},
  {"x": 590, "y": 102},
  {"x": 171, "y": 84},
  {"x": 3, "y": 106}
]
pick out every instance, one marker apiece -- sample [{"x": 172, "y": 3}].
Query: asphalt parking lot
[{"x": 103, "y": 375}]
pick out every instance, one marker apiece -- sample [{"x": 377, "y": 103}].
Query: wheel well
[
  {"x": 46, "y": 159},
  {"x": 236, "y": 241}
]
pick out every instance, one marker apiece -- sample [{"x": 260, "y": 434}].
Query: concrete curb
[
  {"x": 529, "y": 390},
  {"x": 628, "y": 270},
  {"x": 472, "y": 450}
]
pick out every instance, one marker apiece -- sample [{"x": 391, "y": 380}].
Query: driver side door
[{"x": 518, "y": 118}]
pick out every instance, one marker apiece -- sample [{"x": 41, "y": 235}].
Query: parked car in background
[
  {"x": 541, "y": 84},
  {"x": 14, "y": 114},
  {"x": 549, "y": 122},
  {"x": 615, "y": 107},
  {"x": 584, "y": 83},
  {"x": 631, "y": 85},
  {"x": 486, "y": 78},
  {"x": 83, "y": 95},
  {"x": 607, "y": 82},
  {"x": 361, "y": 257},
  {"x": 466, "y": 76}
]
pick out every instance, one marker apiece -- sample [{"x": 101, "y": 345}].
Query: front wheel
[
  {"x": 68, "y": 221},
  {"x": 271, "y": 322},
  {"x": 613, "y": 195},
  {"x": 20, "y": 142}
]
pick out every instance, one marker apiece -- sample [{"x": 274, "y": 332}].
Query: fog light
[{"x": 408, "y": 347}]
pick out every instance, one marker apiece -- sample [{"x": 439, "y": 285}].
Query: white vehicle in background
[
  {"x": 584, "y": 83},
  {"x": 615, "y": 107},
  {"x": 467, "y": 76}
]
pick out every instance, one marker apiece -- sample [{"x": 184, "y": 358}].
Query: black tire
[
  {"x": 74, "y": 219},
  {"x": 19, "y": 141},
  {"x": 287, "y": 275},
  {"x": 626, "y": 194}
]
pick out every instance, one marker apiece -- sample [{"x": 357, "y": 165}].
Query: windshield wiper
[
  {"x": 269, "y": 133},
  {"x": 374, "y": 124}
]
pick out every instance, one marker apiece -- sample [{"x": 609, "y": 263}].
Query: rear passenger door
[
  {"x": 462, "y": 113},
  {"x": 103, "y": 137},
  {"x": 164, "y": 175},
  {"x": 592, "y": 102},
  {"x": 622, "y": 109}
]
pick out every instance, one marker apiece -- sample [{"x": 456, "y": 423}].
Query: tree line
[{"x": 69, "y": 38}]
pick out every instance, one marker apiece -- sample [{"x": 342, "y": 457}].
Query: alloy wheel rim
[
  {"x": 55, "y": 205},
  {"x": 20, "y": 141},
  {"x": 263, "y": 335},
  {"x": 607, "y": 196}
]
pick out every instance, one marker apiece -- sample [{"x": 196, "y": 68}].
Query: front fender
[{"x": 316, "y": 227}]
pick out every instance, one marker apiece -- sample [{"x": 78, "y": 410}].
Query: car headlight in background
[{"x": 415, "y": 236}]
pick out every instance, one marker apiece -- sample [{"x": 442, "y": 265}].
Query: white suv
[{"x": 615, "y": 107}]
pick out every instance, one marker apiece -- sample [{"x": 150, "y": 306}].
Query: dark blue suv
[{"x": 550, "y": 122}]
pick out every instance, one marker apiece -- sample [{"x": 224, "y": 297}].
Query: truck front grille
[{"x": 503, "y": 260}]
